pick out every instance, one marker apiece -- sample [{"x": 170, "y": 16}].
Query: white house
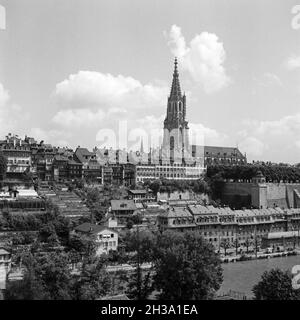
[{"x": 106, "y": 239}]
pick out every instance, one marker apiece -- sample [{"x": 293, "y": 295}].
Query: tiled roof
[
  {"x": 81, "y": 152},
  {"x": 176, "y": 212},
  {"x": 91, "y": 228},
  {"x": 198, "y": 209},
  {"x": 154, "y": 211},
  {"x": 61, "y": 158},
  {"x": 228, "y": 150},
  {"x": 73, "y": 162},
  {"x": 138, "y": 191},
  {"x": 123, "y": 205}
]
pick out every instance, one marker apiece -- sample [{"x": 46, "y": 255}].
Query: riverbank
[{"x": 259, "y": 256}]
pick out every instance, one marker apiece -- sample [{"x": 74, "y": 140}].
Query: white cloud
[
  {"x": 275, "y": 139},
  {"x": 98, "y": 90},
  {"x": 12, "y": 116},
  {"x": 78, "y": 117},
  {"x": 203, "y": 58},
  {"x": 56, "y": 137},
  {"x": 106, "y": 104},
  {"x": 268, "y": 79},
  {"x": 252, "y": 146},
  {"x": 4, "y": 96},
  {"x": 293, "y": 62},
  {"x": 99, "y": 102},
  {"x": 201, "y": 135}
]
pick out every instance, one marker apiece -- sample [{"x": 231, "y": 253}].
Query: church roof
[{"x": 213, "y": 150}]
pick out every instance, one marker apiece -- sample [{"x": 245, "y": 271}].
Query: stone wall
[
  {"x": 237, "y": 195},
  {"x": 284, "y": 195}
]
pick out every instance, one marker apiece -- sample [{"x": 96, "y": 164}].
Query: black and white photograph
[{"x": 149, "y": 150}]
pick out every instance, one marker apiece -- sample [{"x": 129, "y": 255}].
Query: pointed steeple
[{"x": 175, "y": 90}]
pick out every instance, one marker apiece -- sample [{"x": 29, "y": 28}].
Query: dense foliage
[
  {"x": 51, "y": 225},
  {"x": 164, "y": 185},
  {"x": 186, "y": 267},
  {"x": 272, "y": 172},
  {"x": 3, "y": 167},
  {"x": 48, "y": 276},
  {"x": 276, "y": 285}
]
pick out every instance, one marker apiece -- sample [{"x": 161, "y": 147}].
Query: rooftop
[
  {"x": 91, "y": 228},
  {"x": 143, "y": 191},
  {"x": 123, "y": 205},
  {"x": 3, "y": 251}
]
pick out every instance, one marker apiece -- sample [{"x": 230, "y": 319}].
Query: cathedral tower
[{"x": 175, "y": 146}]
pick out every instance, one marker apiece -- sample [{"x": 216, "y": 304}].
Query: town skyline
[{"x": 65, "y": 81}]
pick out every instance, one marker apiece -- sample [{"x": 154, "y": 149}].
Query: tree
[
  {"x": 140, "y": 285},
  {"x": 94, "y": 282},
  {"x": 93, "y": 195},
  {"x": 82, "y": 244},
  {"x": 248, "y": 243},
  {"x": 144, "y": 241},
  {"x": 47, "y": 276},
  {"x": 225, "y": 244},
  {"x": 3, "y": 168},
  {"x": 29, "y": 288},
  {"x": 48, "y": 234},
  {"x": 276, "y": 285},
  {"x": 186, "y": 267},
  {"x": 216, "y": 184}
]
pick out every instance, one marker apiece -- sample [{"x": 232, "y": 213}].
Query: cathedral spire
[{"x": 175, "y": 90}]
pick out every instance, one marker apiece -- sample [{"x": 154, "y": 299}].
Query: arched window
[{"x": 180, "y": 106}]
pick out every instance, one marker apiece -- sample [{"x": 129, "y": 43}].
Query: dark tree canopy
[
  {"x": 272, "y": 172},
  {"x": 3, "y": 167},
  {"x": 164, "y": 185},
  {"x": 186, "y": 267},
  {"x": 94, "y": 282},
  {"x": 47, "y": 277},
  {"x": 275, "y": 285}
]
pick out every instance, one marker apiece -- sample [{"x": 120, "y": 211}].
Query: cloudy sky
[{"x": 74, "y": 71}]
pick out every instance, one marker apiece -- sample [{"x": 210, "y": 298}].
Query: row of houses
[
  {"x": 219, "y": 225},
  {"x": 110, "y": 166},
  {"x": 216, "y": 224},
  {"x": 263, "y": 227}
]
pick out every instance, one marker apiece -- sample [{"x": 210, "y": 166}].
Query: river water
[{"x": 242, "y": 276}]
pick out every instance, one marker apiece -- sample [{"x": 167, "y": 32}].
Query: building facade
[
  {"x": 122, "y": 209},
  {"x": 18, "y": 154},
  {"x": 221, "y": 155},
  {"x": 234, "y": 227}
]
